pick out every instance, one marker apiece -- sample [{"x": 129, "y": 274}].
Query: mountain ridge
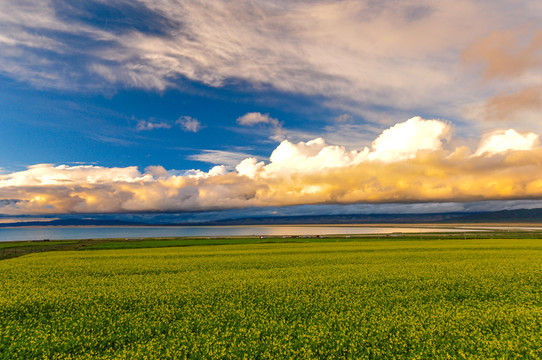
[{"x": 501, "y": 216}]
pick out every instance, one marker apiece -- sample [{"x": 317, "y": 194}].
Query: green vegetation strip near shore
[
  {"x": 372, "y": 299},
  {"x": 163, "y": 242},
  {"x": 34, "y": 244},
  {"x": 18, "y": 248}
]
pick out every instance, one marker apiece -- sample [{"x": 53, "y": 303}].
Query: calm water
[{"x": 17, "y": 234}]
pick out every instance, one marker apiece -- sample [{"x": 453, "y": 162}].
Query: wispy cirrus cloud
[
  {"x": 512, "y": 59},
  {"x": 220, "y": 157},
  {"x": 343, "y": 118},
  {"x": 411, "y": 162},
  {"x": 253, "y": 118},
  {"x": 512, "y": 106},
  {"x": 507, "y": 53},
  {"x": 401, "y": 60},
  {"x": 256, "y": 118},
  {"x": 185, "y": 123},
  {"x": 143, "y": 125}
]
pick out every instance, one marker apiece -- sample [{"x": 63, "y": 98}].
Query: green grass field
[{"x": 370, "y": 299}]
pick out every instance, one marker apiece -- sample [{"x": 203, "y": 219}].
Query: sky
[{"x": 279, "y": 107}]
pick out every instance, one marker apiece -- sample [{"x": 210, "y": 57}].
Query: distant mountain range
[
  {"x": 503, "y": 216},
  {"x": 337, "y": 219}
]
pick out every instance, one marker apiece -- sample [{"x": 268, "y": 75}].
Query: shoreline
[{"x": 362, "y": 225}]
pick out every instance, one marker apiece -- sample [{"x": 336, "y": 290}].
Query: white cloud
[
  {"x": 398, "y": 143},
  {"x": 249, "y": 167},
  {"x": 254, "y": 118},
  {"x": 315, "y": 48},
  {"x": 186, "y": 123},
  {"x": 310, "y": 157},
  {"x": 143, "y": 125},
  {"x": 404, "y": 140},
  {"x": 189, "y": 124},
  {"x": 218, "y": 170},
  {"x": 500, "y": 141}
]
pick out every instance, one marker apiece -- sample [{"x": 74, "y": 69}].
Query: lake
[{"x": 59, "y": 233}]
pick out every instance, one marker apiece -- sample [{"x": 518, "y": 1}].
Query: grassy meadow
[{"x": 358, "y": 299}]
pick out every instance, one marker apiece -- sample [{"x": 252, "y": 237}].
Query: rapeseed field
[{"x": 437, "y": 299}]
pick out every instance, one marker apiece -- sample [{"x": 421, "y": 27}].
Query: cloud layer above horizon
[
  {"x": 411, "y": 162},
  {"x": 292, "y": 101}
]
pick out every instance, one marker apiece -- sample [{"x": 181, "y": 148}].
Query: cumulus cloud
[
  {"x": 420, "y": 167},
  {"x": 249, "y": 167},
  {"x": 404, "y": 140},
  {"x": 500, "y": 141},
  {"x": 189, "y": 124}
]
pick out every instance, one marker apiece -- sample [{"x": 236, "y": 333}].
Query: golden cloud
[
  {"x": 409, "y": 162},
  {"x": 514, "y": 55},
  {"x": 510, "y": 106},
  {"x": 506, "y": 53}
]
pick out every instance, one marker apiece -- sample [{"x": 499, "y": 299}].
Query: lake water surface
[{"x": 58, "y": 233}]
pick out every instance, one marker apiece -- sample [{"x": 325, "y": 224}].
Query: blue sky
[
  {"x": 105, "y": 129},
  {"x": 136, "y": 106}
]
